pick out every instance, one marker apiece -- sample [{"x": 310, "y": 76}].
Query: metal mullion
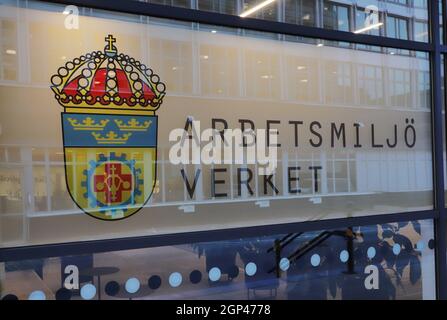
[
  {"x": 440, "y": 222},
  {"x": 233, "y": 21}
]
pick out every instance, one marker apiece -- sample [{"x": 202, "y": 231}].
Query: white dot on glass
[
  {"x": 420, "y": 245},
  {"x": 344, "y": 256},
  {"x": 37, "y": 295},
  {"x": 315, "y": 260},
  {"x": 175, "y": 279},
  {"x": 396, "y": 249},
  {"x": 132, "y": 285},
  {"x": 251, "y": 268},
  {"x": 284, "y": 264},
  {"x": 214, "y": 274},
  {"x": 371, "y": 253},
  {"x": 88, "y": 291}
]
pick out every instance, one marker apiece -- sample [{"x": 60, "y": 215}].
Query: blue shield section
[{"x": 99, "y": 130}]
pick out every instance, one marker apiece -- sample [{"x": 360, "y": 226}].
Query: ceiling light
[
  {"x": 256, "y": 8},
  {"x": 372, "y": 26},
  {"x": 11, "y": 51}
]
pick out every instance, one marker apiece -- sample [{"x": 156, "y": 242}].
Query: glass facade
[
  {"x": 327, "y": 264},
  {"x": 380, "y": 166},
  {"x": 354, "y": 138},
  {"x": 388, "y": 18}
]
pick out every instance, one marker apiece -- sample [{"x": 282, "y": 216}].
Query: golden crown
[
  {"x": 88, "y": 124},
  {"x": 133, "y": 125},
  {"x": 108, "y": 80},
  {"x": 111, "y": 138}
]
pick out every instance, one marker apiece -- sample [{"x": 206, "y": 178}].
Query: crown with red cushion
[{"x": 108, "y": 80}]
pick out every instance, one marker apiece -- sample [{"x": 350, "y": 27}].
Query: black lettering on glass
[
  {"x": 295, "y": 125},
  {"x": 337, "y": 133},
  {"x": 214, "y": 182},
  {"x": 275, "y": 131},
  {"x": 243, "y": 122},
  {"x": 357, "y": 135},
  {"x": 373, "y": 143},
  {"x": 215, "y": 121},
  {"x": 191, "y": 189},
  {"x": 268, "y": 180},
  {"x": 293, "y": 179},
  {"x": 410, "y": 128},
  {"x": 315, "y": 133},
  {"x": 315, "y": 169},
  {"x": 240, "y": 182},
  {"x": 392, "y": 145}
]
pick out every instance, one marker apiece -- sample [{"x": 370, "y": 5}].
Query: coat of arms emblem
[{"x": 109, "y": 131}]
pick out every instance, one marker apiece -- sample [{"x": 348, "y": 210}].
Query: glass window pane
[
  {"x": 300, "y": 12},
  {"x": 9, "y": 69},
  {"x": 368, "y": 18},
  {"x": 394, "y": 260},
  {"x": 336, "y": 16},
  {"x": 354, "y": 128},
  {"x": 221, "y": 6}
]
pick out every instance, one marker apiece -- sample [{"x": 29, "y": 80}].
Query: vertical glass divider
[{"x": 437, "y": 121}]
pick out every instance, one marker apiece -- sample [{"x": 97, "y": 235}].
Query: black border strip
[
  {"x": 226, "y": 20},
  {"x": 438, "y": 119}
]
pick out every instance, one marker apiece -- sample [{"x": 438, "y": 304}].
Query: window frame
[{"x": 438, "y": 213}]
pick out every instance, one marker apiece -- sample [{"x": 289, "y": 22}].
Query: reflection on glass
[
  {"x": 386, "y": 15},
  {"x": 421, "y": 31},
  {"x": 8, "y": 50},
  {"x": 11, "y": 194},
  {"x": 335, "y": 16},
  {"x": 397, "y": 27},
  {"x": 268, "y": 10},
  {"x": 387, "y": 261},
  {"x": 60, "y": 199},
  {"x": 240, "y": 79},
  {"x": 300, "y": 12},
  {"x": 175, "y": 3},
  {"x": 40, "y": 187},
  {"x": 221, "y": 6}
]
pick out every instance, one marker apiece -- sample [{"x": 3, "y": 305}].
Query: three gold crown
[
  {"x": 111, "y": 138},
  {"x": 133, "y": 125},
  {"x": 88, "y": 124}
]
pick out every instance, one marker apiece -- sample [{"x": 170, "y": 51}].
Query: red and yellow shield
[{"x": 109, "y": 131}]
